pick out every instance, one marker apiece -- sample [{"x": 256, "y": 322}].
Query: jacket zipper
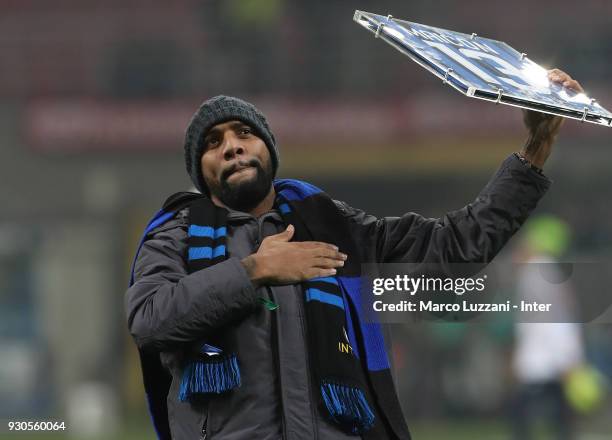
[
  {"x": 204, "y": 434},
  {"x": 274, "y": 331},
  {"x": 274, "y": 321}
]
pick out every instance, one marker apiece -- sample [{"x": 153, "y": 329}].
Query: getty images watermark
[{"x": 527, "y": 292}]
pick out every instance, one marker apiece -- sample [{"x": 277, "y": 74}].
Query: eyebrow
[{"x": 233, "y": 126}]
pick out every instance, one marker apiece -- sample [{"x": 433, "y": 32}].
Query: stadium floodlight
[{"x": 483, "y": 68}]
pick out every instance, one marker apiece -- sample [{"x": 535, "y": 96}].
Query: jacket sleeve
[
  {"x": 166, "y": 306},
  {"x": 473, "y": 234}
]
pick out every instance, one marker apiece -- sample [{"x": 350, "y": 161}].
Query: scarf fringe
[
  {"x": 348, "y": 407},
  {"x": 210, "y": 376}
]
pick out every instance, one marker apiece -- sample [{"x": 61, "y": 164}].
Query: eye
[
  {"x": 245, "y": 131},
  {"x": 212, "y": 142}
]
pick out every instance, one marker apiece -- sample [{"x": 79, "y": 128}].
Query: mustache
[{"x": 240, "y": 164}]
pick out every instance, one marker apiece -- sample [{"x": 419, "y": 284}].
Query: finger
[
  {"x": 330, "y": 253},
  {"x": 320, "y": 251},
  {"x": 317, "y": 272},
  {"x": 573, "y": 84},
  {"x": 327, "y": 263},
  {"x": 559, "y": 76},
  {"x": 562, "y": 78},
  {"x": 318, "y": 244},
  {"x": 557, "y": 72},
  {"x": 553, "y": 74},
  {"x": 286, "y": 235}
]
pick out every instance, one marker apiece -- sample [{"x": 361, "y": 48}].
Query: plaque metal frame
[{"x": 483, "y": 68}]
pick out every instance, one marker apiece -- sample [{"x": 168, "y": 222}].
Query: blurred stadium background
[{"x": 95, "y": 99}]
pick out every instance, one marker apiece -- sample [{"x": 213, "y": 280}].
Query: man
[
  {"x": 545, "y": 353},
  {"x": 245, "y": 304}
]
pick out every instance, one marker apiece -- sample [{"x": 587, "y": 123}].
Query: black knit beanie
[{"x": 216, "y": 111}]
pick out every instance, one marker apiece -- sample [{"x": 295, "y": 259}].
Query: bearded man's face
[{"x": 236, "y": 165}]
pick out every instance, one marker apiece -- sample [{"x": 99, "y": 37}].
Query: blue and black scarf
[{"x": 348, "y": 357}]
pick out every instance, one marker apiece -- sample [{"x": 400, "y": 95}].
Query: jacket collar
[{"x": 236, "y": 216}]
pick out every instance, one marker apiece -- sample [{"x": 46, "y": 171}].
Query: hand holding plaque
[{"x": 543, "y": 128}]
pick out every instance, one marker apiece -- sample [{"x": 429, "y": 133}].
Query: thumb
[{"x": 287, "y": 234}]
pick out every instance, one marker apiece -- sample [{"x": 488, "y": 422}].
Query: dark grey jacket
[{"x": 167, "y": 308}]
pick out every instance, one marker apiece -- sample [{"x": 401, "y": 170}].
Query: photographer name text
[{"x": 441, "y": 289}]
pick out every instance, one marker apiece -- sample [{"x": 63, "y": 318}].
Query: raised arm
[
  {"x": 477, "y": 232},
  {"x": 473, "y": 234}
]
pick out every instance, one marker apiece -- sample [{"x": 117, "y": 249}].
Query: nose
[{"x": 232, "y": 146}]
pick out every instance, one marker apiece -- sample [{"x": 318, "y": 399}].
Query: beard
[{"x": 245, "y": 194}]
